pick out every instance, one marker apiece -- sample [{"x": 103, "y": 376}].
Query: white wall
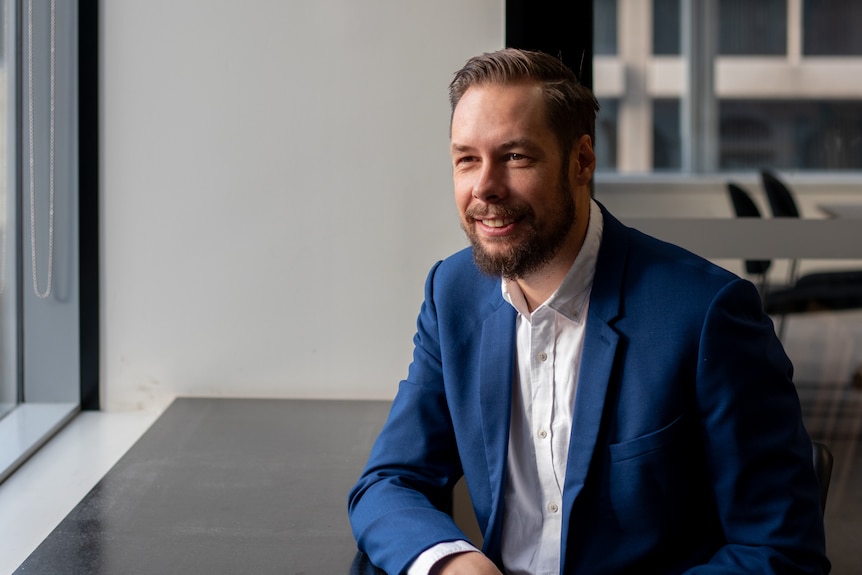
[{"x": 275, "y": 186}]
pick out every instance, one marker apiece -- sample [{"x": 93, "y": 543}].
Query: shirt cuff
[{"x": 426, "y": 560}]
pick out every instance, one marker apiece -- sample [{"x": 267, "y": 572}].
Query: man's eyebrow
[
  {"x": 461, "y": 148},
  {"x": 523, "y": 143}
]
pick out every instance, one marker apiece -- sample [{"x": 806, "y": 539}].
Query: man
[{"x": 615, "y": 403}]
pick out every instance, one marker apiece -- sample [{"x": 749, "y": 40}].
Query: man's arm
[
  {"x": 469, "y": 563},
  {"x": 398, "y": 507},
  {"x": 758, "y": 451}
]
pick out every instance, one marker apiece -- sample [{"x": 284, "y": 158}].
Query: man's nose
[{"x": 489, "y": 187}]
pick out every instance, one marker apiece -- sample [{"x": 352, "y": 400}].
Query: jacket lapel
[
  {"x": 597, "y": 363},
  {"x": 496, "y": 369}
]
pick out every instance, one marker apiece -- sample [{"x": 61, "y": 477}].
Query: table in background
[
  {"x": 853, "y": 211},
  {"x": 225, "y": 486}
]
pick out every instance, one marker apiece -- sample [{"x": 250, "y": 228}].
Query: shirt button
[
  {"x": 543, "y": 434},
  {"x": 542, "y": 356},
  {"x": 552, "y": 507}
]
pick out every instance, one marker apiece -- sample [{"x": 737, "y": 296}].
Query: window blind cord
[{"x": 30, "y": 102}]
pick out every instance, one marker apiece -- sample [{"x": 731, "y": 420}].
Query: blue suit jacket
[{"x": 687, "y": 452}]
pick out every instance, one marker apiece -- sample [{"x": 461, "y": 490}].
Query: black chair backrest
[
  {"x": 781, "y": 201},
  {"x": 823, "y": 467},
  {"x": 744, "y": 207}
]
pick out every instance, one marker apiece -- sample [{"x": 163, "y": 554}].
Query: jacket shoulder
[{"x": 457, "y": 279}]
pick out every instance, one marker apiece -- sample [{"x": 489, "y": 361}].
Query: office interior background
[{"x": 272, "y": 183}]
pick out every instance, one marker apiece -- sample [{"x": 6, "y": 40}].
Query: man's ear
[{"x": 582, "y": 162}]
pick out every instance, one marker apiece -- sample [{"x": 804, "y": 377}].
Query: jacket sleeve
[
  {"x": 398, "y": 508},
  {"x": 758, "y": 452}
]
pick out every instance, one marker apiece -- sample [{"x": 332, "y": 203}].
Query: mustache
[{"x": 497, "y": 212}]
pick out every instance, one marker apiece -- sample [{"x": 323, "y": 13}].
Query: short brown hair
[{"x": 571, "y": 107}]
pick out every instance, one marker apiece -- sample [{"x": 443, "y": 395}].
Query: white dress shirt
[
  {"x": 549, "y": 342},
  {"x": 548, "y": 358}
]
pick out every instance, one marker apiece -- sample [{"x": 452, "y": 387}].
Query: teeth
[{"x": 496, "y": 223}]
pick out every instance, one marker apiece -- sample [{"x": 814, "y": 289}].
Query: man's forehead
[
  {"x": 491, "y": 88},
  {"x": 516, "y": 109}
]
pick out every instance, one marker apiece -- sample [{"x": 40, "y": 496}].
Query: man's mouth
[{"x": 497, "y": 222}]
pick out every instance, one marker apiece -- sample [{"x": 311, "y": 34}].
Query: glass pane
[
  {"x": 831, "y": 28},
  {"x": 667, "y": 143},
  {"x": 45, "y": 366},
  {"x": 8, "y": 315},
  {"x": 606, "y": 134},
  {"x": 605, "y": 27},
  {"x": 666, "y": 36},
  {"x": 752, "y": 28},
  {"x": 816, "y": 135}
]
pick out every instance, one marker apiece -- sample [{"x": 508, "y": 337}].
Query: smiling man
[
  {"x": 517, "y": 189},
  {"x": 615, "y": 403}
]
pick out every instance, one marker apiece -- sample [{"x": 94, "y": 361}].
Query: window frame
[
  {"x": 700, "y": 78},
  {"x": 58, "y": 336}
]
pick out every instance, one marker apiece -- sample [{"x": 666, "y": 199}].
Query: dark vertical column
[
  {"x": 88, "y": 198},
  {"x": 558, "y": 27}
]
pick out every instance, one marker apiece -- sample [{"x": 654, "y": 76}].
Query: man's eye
[{"x": 515, "y": 156}]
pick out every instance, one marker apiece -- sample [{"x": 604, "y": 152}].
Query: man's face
[{"x": 511, "y": 186}]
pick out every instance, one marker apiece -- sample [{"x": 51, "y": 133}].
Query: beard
[{"x": 533, "y": 248}]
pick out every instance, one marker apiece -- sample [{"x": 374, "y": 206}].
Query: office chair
[
  {"x": 781, "y": 201},
  {"x": 782, "y": 204},
  {"x": 744, "y": 207},
  {"x": 823, "y": 468},
  {"x": 821, "y": 291}
]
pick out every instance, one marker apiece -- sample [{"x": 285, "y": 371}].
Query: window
[
  {"x": 8, "y": 355},
  {"x": 831, "y": 28},
  {"x": 703, "y": 87},
  {"x": 605, "y": 27},
  {"x": 667, "y": 146},
  {"x": 41, "y": 222},
  {"x": 606, "y": 135},
  {"x": 666, "y": 30},
  {"x": 752, "y": 28},
  {"x": 791, "y": 134}
]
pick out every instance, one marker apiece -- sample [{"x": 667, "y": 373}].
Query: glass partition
[{"x": 40, "y": 338}]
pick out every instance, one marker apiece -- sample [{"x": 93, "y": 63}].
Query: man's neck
[
  {"x": 541, "y": 284},
  {"x": 537, "y": 290}
]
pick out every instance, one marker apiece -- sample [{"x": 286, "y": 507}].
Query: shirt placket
[{"x": 542, "y": 347}]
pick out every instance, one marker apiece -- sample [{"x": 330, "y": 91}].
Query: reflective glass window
[
  {"x": 666, "y": 36},
  {"x": 752, "y": 28},
  {"x": 831, "y": 28}
]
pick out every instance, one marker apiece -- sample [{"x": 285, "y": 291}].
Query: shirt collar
[{"x": 571, "y": 296}]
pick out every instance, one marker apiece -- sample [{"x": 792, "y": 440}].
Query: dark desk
[{"x": 225, "y": 486}]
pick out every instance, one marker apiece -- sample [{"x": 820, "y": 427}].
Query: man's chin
[
  {"x": 494, "y": 262},
  {"x": 494, "y": 246}
]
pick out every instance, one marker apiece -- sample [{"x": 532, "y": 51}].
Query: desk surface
[
  {"x": 225, "y": 486},
  {"x": 842, "y": 210},
  {"x": 755, "y": 238}
]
